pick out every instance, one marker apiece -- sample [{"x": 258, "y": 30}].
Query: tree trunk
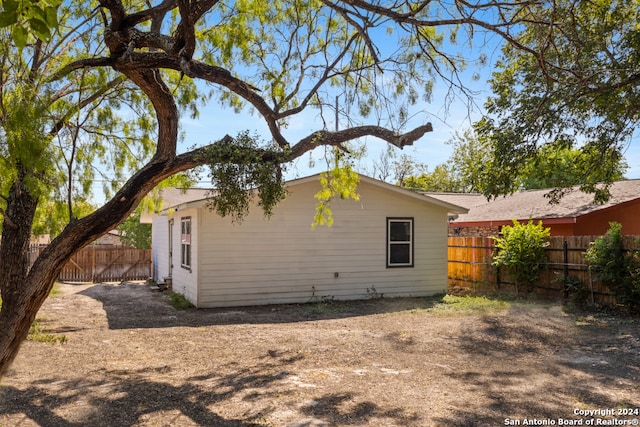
[
  {"x": 24, "y": 290},
  {"x": 20, "y": 298}
]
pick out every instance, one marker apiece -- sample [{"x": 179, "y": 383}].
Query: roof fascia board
[{"x": 363, "y": 178}]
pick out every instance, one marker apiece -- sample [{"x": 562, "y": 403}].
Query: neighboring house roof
[
  {"x": 533, "y": 204},
  {"x": 467, "y": 200},
  {"x": 451, "y": 207}
]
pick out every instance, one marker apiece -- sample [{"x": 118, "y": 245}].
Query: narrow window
[
  {"x": 185, "y": 242},
  {"x": 399, "y": 242}
]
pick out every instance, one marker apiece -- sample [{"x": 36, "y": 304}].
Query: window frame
[
  {"x": 410, "y": 242},
  {"x": 185, "y": 242}
]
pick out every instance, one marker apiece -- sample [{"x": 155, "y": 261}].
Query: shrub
[
  {"x": 615, "y": 267},
  {"x": 179, "y": 301},
  {"x": 520, "y": 250}
]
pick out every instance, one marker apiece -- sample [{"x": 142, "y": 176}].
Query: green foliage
[
  {"x": 52, "y": 216},
  {"x": 390, "y": 167},
  {"x": 441, "y": 179},
  {"x": 452, "y": 305},
  {"x": 37, "y": 18},
  {"x": 372, "y": 293},
  {"x": 24, "y": 145},
  {"x": 478, "y": 164},
  {"x": 60, "y": 132},
  {"x": 615, "y": 267},
  {"x": 579, "y": 93},
  {"x": 134, "y": 233},
  {"x": 558, "y": 166},
  {"x": 342, "y": 181},
  {"x": 470, "y": 161},
  {"x": 179, "y": 301},
  {"x": 239, "y": 170},
  {"x": 38, "y": 333},
  {"x": 520, "y": 249}
]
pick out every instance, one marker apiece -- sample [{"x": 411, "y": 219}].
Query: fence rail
[
  {"x": 97, "y": 263},
  {"x": 470, "y": 266}
]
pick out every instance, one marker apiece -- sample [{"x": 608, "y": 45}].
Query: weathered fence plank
[
  {"x": 97, "y": 263},
  {"x": 470, "y": 261}
]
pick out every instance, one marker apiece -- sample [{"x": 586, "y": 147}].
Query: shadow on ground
[
  {"x": 124, "y": 398},
  {"x": 133, "y": 305},
  {"x": 548, "y": 362}
]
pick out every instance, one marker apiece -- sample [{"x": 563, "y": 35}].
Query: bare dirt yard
[{"x": 130, "y": 359}]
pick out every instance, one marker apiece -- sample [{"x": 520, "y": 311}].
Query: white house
[{"x": 391, "y": 242}]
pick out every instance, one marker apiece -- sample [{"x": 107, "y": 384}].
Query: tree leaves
[
  {"x": 579, "y": 88},
  {"x": 39, "y": 17},
  {"x": 520, "y": 249},
  {"x": 239, "y": 170},
  {"x": 341, "y": 181}
]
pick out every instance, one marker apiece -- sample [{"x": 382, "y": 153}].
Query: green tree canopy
[
  {"x": 474, "y": 167},
  {"x": 442, "y": 179},
  {"x": 573, "y": 84},
  {"x": 134, "y": 233}
]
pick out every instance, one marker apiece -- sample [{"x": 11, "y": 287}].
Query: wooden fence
[
  {"x": 470, "y": 267},
  {"x": 96, "y": 263}
]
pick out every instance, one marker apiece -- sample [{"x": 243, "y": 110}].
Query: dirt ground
[{"x": 130, "y": 359}]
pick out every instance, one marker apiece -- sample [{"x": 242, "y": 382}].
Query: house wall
[
  {"x": 185, "y": 280},
  {"x": 597, "y": 223},
  {"x": 567, "y": 229},
  {"x": 160, "y": 248},
  {"x": 284, "y": 260}
]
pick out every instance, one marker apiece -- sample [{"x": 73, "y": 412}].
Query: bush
[
  {"x": 615, "y": 267},
  {"x": 521, "y": 251},
  {"x": 179, "y": 301}
]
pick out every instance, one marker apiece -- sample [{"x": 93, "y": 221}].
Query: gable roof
[
  {"x": 533, "y": 204},
  {"x": 175, "y": 196},
  {"x": 195, "y": 199},
  {"x": 451, "y": 207}
]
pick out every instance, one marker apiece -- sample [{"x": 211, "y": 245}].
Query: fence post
[
  {"x": 93, "y": 264},
  {"x": 565, "y": 250}
]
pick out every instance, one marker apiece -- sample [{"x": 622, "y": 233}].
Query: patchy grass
[
  {"x": 179, "y": 301},
  {"x": 37, "y": 333},
  {"x": 451, "y": 305}
]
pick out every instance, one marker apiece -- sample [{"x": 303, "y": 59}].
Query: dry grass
[{"x": 130, "y": 359}]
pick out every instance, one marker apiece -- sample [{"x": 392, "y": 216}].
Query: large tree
[
  {"x": 581, "y": 89},
  {"x": 476, "y": 166},
  {"x": 100, "y": 97}
]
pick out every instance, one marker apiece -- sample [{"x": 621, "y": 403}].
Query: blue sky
[{"x": 214, "y": 122}]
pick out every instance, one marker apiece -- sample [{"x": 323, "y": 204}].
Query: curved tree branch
[{"x": 336, "y": 138}]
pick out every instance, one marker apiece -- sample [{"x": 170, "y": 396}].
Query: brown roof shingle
[{"x": 533, "y": 204}]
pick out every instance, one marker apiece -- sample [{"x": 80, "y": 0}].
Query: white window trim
[
  {"x": 185, "y": 242},
  {"x": 391, "y": 220}
]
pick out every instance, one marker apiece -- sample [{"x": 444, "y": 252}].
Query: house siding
[
  {"x": 284, "y": 260},
  {"x": 185, "y": 280},
  {"x": 160, "y": 252},
  {"x": 598, "y": 222}
]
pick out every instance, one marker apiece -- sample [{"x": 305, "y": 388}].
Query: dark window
[
  {"x": 185, "y": 242},
  {"x": 399, "y": 242}
]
